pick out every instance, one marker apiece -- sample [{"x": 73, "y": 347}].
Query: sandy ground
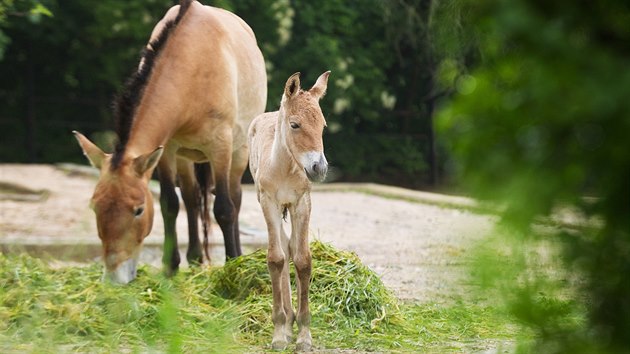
[{"x": 417, "y": 249}]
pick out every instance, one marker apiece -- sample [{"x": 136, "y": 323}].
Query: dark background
[{"x": 61, "y": 72}]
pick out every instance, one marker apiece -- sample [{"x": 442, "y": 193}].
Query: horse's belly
[{"x": 192, "y": 154}]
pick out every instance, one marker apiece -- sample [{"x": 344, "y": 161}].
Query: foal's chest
[{"x": 289, "y": 194}]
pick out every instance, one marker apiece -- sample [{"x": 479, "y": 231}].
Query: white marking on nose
[
  {"x": 125, "y": 272},
  {"x": 315, "y": 165}
]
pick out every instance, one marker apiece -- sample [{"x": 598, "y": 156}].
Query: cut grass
[{"x": 224, "y": 309}]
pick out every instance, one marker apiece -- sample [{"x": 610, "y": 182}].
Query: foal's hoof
[
  {"x": 279, "y": 345},
  {"x": 304, "y": 341},
  {"x": 303, "y": 346}
]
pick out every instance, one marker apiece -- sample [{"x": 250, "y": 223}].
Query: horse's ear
[
  {"x": 319, "y": 89},
  {"x": 147, "y": 162},
  {"x": 292, "y": 87},
  {"x": 95, "y": 155}
]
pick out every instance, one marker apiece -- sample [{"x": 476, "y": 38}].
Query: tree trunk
[
  {"x": 30, "y": 136},
  {"x": 432, "y": 155}
]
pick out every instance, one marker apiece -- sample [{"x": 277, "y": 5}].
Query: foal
[{"x": 286, "y": 151}]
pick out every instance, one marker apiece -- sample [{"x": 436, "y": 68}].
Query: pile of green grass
[{"x": 225, "y": 309}]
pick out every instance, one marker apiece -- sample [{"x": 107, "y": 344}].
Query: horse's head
[
  {"x": 123, "y": 206},
  {"x": 302, "y": 124}
]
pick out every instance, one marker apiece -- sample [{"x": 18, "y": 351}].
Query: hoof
[
  {"x": 170, "y": 272},
  {"x": 195, "y": 261},
  {"x": 303, "y": 346},
  {"x": 171, "y": 264},
  {"x": 279, "y": 345},
  {"x": 304, "y": 341}
]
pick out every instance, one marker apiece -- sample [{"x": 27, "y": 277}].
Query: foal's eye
[
  {"x": 294, "y": 125},
  {"x": 138, "y": 211}
]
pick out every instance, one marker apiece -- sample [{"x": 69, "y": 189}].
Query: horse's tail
[{"x": 203, "y": 174}]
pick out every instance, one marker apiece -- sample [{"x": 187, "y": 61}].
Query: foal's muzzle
[{"x": 315, "y": 166}]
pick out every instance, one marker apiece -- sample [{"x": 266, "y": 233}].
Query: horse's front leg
[
  {"x": 301, "y": 254},
  {"x": 190, "y": 195},
  {"x": 169, "y": 203},
  {"x": 277, "y": 261}
]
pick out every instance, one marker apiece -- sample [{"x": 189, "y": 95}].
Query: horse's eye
[
  {"x": 138, "y": 211},
  {"x": 294, "y": 125}
]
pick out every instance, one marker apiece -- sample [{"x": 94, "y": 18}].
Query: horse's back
[{"x": 215, "y": 62}]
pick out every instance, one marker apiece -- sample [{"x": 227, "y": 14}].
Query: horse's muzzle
[
  {"x": 125, "y": 272},
  {"x": 316, "y": 166}
]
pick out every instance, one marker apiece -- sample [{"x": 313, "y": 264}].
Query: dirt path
[{"x": 416, "y": 248}]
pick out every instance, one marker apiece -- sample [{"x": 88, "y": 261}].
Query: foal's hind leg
[
  {"x": 301, "y": 254},
  {"x": 190, "y": 194},
  {"x": 169, "y": 203}
]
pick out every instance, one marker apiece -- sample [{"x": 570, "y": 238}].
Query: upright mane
[{"x": 127, "y": 101}]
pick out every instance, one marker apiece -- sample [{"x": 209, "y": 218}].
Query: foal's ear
[
  {"x": 292, "y": 87},
  {"x": 95, "y": 155},
  {"x": 319, "y": 89},
  {"x": 147, "y": 162}
]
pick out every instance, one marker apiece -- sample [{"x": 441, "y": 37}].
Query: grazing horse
[
  {"x": 286, "y": 151},
  {"x": 200, "y": 82}
]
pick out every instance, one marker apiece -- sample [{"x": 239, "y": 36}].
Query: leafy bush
[{"x": 540, "y": 126}]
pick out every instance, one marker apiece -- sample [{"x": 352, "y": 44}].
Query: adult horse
[{"x": 200, "y": 82}]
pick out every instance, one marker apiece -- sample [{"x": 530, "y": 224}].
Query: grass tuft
[{"x": 225, "y": 309}]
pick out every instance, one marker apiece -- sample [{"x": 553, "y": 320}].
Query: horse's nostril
[{"x": 316, "y": 167}]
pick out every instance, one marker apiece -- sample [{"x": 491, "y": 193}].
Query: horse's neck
[
  {"x": 154, "y": 124},
  {"x": 282, "y": 160}
]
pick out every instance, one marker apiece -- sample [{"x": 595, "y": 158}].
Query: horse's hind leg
[
  {"x": 301, "y": 254},
  {"x": 220, "y": 154},
  {"x": 203, "y": 174},
  {"x": 169, "y": 203},
  {"x": 190, "y": 194},
  {"x": 239, "y": 164}
]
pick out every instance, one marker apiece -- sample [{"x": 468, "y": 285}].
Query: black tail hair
[{"x": 203, "y": 174}]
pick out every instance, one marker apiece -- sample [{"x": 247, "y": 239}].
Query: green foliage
[
  {"x": 61, "y": 74},
  {"x": 539, "y": 125},
  {"x": 384, "y": 58},
  {"x": 223, "y": 310},
  {"x": 394, "y": 159},
  {"x": 31, "y": 9}
]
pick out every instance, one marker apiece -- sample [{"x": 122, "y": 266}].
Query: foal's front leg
[
  {"x": 301, "y": 254},
  {"x": 277, "y": 262}
]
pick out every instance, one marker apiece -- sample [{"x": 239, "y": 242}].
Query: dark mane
[{"x": 127, "y": 101}]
